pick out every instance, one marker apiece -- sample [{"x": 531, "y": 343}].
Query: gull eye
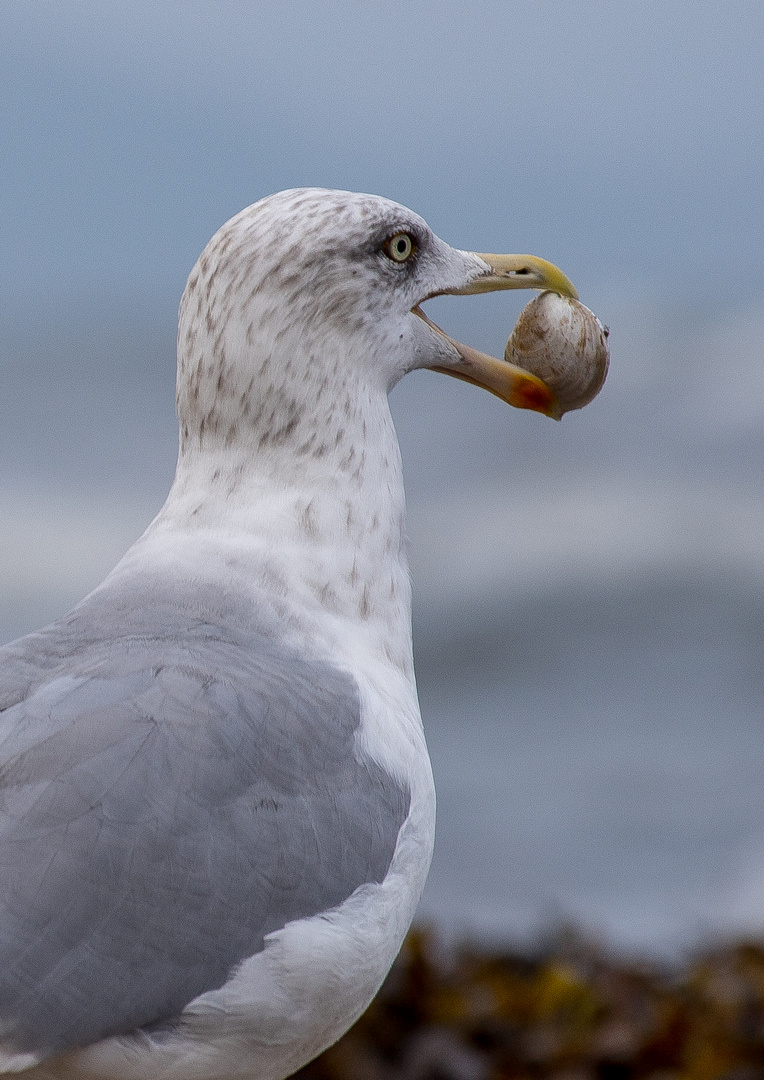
[{"x": 400, "y": 247}]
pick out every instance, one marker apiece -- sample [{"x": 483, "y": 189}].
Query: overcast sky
[{"x": 623, "y": 139}]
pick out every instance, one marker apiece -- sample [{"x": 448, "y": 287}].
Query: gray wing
[{"x": 175, "y": 784}]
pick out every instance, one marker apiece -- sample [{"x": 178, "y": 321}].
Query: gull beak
[
  {"x": 512, "y": 384},
  {"x": 518, "y": 272}
]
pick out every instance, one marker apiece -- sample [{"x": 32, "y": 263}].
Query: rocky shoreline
[{"x": 569, "y": 1010}]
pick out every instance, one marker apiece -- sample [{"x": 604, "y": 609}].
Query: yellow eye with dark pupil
[{"x": 400, "y": 247}]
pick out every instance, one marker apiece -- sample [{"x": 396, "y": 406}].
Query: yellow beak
[
  {"x": 519, "y": 272},
  {"x": 512, "y": 384}
]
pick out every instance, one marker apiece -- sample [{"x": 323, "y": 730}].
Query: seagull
[{"x": 217, "y": 806}]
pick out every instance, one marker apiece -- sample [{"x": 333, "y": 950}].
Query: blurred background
[{"x": 589, "y": 596}]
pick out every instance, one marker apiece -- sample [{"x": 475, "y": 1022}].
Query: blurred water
[
  {"x": 589, "y": 631},
  {"x": 599, "y": 758},
  {"x": 589, "y": 612},
  {"x": 588, "y": 595}
]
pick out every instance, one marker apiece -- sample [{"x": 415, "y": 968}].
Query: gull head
[{"x": 309, "y": 300}]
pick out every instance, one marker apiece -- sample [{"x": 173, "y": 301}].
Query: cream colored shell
[{"x": 563, "y": 343}]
